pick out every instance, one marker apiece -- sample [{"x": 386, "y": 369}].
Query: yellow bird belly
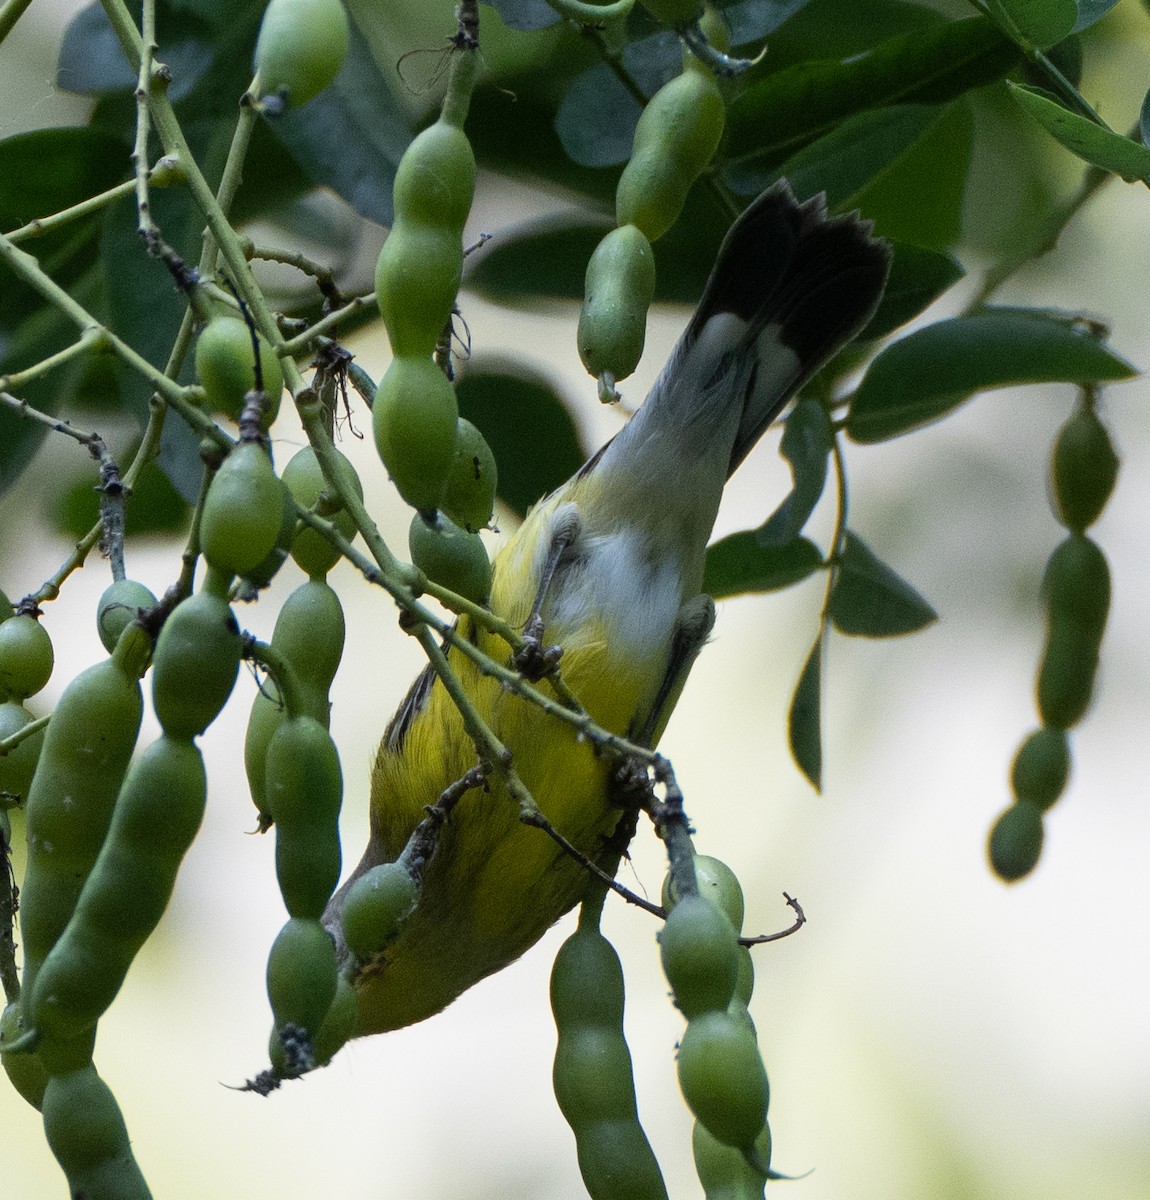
[{"x": 496, "y": 885}]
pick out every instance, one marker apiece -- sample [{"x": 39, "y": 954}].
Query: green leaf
[
  {"x": 1040, "y": 22},
  {"x": 921, "y": 196},
  {"x": 1090, "y": 11},
  {"x": 922, "y": 377},
  {"x": 869, "y": 600},
  {"x": 795, "y": 106},
  {"x": 740, "y": 563},
  {"x": 1101, "y": 147},
  {"x": 351, "y": 136},
  {"x": 845, "y": 161},
  {"x": 917, "y": 278},
  {"x": 50, "y": 169},
  {"x": 804, "y": 722},
  {"x": 527, "y": 426},
  {"x": 807, "y": 440},
  {"x": 512, "y": 130}
]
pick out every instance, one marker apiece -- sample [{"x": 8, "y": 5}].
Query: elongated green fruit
[
  {"x": 450, "y": 556},
  {"x": 304, "y": 787},
  {"x": 1016, "y": 841},
  {"x": 243, "y": 511},
  {"x": 592, "y": 1072},
  {"x": 618, "y": 290},
  {"x": 26, "y": 657},
  {"x": 226, "y": 366},
  {"x": 118, "y": 607},
  {"x": 375, "y": 907},
  {"x": 196, "y": 663},
  {"x": 18, "y": 765},
  {"x": 1041, "y": 767},
  {"x": 414, "y": 417},
  {"x": 699, "y": 949},
  {"x": 1078, "y": 600},
  {"x": 722, "y": 1078},
  {"x": 301, "y": 978},
  {"x": 86, "y": 1132},
  {"x": 469, "y": 497},
  {"x": 157, "y": 814},
  {"x": 309, "y": 635},
  {"x": 1084, "y": 470},
  {"x": 87, "y": 748},
  {"x": 677, "y": 136},
  {"x": 304, "y": 479}
]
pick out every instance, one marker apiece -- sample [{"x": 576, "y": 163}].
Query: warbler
[{"x": 611, "y": 563}]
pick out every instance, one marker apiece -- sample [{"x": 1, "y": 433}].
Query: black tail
[{"x": 812, "y": 280}]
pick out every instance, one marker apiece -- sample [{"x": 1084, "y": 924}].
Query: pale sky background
[{"x": 930, "y": 1035}]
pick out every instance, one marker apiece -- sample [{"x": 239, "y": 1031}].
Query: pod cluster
[
  {"x": 676, "y": 138},
  {"x": 1084, "y": 469},
  {"x": 441, "y": 465},
  {"x": 592, "y": 1074},
  {"x": 721, "y": 1072},
  {"x": 296, "y": 782}
]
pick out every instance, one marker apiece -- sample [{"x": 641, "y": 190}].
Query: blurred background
[{"x": 931, "y": 1034}]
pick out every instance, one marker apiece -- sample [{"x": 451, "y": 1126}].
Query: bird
[{"x": 611, "y": 565}]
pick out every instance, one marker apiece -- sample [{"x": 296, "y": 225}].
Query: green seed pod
[
  {"x": 417, "y": 278},
  {"x": 451, "y": 557},
  {"x": 261, "y": 575},
  {"x": 435, "y": 180},
  {"x": 25, "y": 1071},
  {"x": 1083, "y": 471},
  {"x": 243, "y": 511},
  {"x": 617, "y": 1163},
  {"x": 225, "y": 365},
  {"x": 86, "y": 751},
  {"x": 677, "y": 136},
  {"x": 724, "y": 1172},
  {"x": 304, "y": 479},
  {"x": 618, "y": 291},
  {"x": 300, "y": 48},
  {"x": 722, "y": 1078},
  {"x": 1016, "y": 841},
  {"x": 309, "y": 635},
  {"x": 17, "y": 766},
  {"x": 717, "y": 882},
  {"x": 592, "y": 1072},
  {"x": 301, "y": 976},
  {"x": 157, "y": 814},
  {"x": 1041, "y": 767},
  {"x": 414, "y": 418},
  {"x": 745, "y": 980},
  {"x": 86, "y": 1133},
  {"x": 304, "y": 789},
  {"x": 375, "y": 907},
  {"x": 1077, "y": 585},
  {"x": 1078, "y": 600},
  {"x": 26, "y": 657},
  {"x": 118, "y": 607},
  {"x": 698, "y": 947},
  {"x": 338, "y": 1026},
  {"x": 469, "y": 498},
  {"x": 196, "y": 663}
]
